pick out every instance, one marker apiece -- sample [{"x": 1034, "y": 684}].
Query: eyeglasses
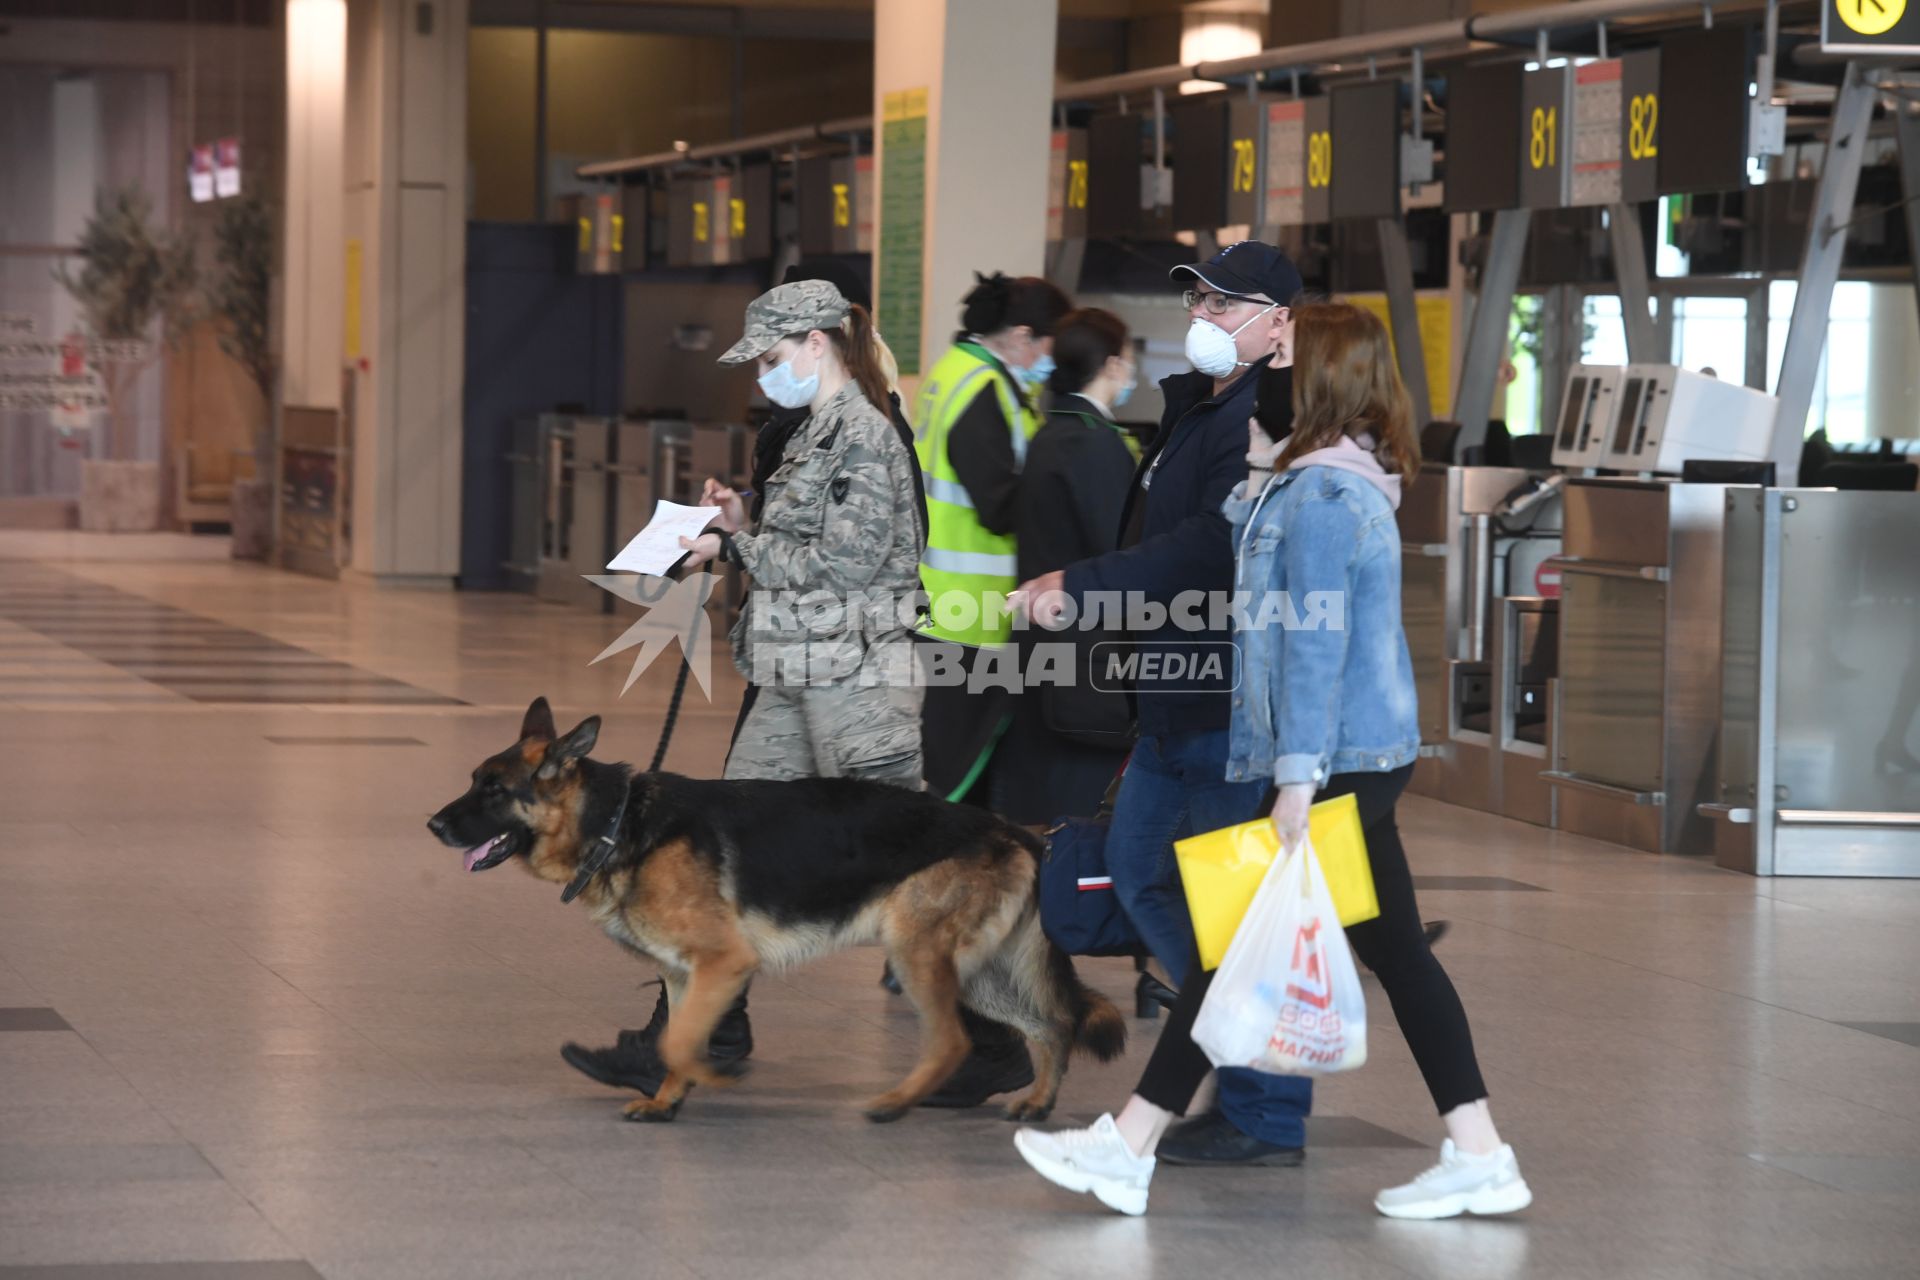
[{"x": 1217, "y": 303}]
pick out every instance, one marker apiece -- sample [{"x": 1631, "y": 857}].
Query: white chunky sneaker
[
  {"x": 1095, "y": 1160},
  {"x": 1459, "y": 1184}
]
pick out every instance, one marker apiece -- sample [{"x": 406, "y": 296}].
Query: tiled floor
[{"x": 251, "y": 1015}]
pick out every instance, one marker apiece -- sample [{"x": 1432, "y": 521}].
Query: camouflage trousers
[{"x": 840, "y": 730}]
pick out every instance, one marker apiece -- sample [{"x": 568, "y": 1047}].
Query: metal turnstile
[
  {"x": 1638, "y": 691},
  {"x": 1525, "y": 661},
  {"x": 1818, "y": 773},
  {"x": 575, "y": 509},
  {"x": 1457, "y": 562}
]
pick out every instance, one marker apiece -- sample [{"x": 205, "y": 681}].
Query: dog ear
[
  {"x": 538, "y": 722},
  {"x": 564, "y": 751}
]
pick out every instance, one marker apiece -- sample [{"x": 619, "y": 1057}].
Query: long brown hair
[
  {"x": 865, "y": 358},
  {"x": 1345, "y": 383}
]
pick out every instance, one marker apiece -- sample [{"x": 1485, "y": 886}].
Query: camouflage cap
[{"x": 799, "y": 307}]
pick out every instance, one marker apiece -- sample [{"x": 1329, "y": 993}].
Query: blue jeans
[{"x": 1176, "y": 786}]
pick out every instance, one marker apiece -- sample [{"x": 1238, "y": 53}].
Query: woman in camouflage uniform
[{"x": 834, "y": 557}]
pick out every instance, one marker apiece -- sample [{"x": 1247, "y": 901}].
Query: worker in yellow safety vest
[{"x": 975, "y": 414}]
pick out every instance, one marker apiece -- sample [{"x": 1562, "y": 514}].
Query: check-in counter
[
  {"x": 1821, "y": 685},
  {"x": 1638, "y": 693}
]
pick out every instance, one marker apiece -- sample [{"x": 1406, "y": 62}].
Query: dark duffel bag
[{"x": 1078, "y": 908}]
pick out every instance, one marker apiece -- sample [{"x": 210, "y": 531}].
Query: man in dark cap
[{"x": 1174, "y": 539}]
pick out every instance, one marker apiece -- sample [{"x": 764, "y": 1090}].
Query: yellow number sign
[
  {"x": 702, "y": 222},
  {"x": 1544, "y": 147},
  {"x": 842, "y": 207},
  {"x": 1643, "y": 120},
  {"x": 1243, "y": 164},
  {"x": 1076, "y": 184},
  {"x": 1320, "y": 159},
  {"x": 1870, "y": 17},
  {"x": 619, "y": 232},
  {"x": 737, "y": 218}
]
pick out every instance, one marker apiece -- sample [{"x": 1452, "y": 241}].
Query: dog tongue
[{"x": 480, "y": 851}]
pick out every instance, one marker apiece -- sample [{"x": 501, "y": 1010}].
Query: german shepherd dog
[{"x": 716, "y": 880}]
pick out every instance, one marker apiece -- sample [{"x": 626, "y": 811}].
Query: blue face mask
[
  {"x": 785, "y": 389},
  {"x": 1037, "y": 373},
  {"x": 1125, "y": 391}
]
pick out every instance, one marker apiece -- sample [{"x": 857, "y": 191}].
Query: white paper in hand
[{"x": 656, "y": 548}]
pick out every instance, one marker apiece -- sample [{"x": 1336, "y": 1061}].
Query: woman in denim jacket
[{"x": 1325, "y": 708}]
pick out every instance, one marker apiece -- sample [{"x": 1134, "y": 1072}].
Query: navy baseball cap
[{"x": 1250, "y": 269}]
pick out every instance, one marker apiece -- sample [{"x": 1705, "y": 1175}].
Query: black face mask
[{"x": 1273, "y": 409}]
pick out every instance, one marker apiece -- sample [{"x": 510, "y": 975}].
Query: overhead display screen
[
  {"x": 1366, "y": 150},
  {"x": 1701, "y": 128},
  {"x": 1113, "y": 176},
  {"x": 1545, "y": 152},
  {"x": 813, "y": 194},
  {"x": 1200, "y": 164},
  {"x": 1483, "y": 137}
]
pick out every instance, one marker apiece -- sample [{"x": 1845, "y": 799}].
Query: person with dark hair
[
  {"x": 976, "y": 417},
  {"x": 1068, "y": 740},
  {"x": 1175, "y": 540},
  {"x": 1325, "y": 712}
]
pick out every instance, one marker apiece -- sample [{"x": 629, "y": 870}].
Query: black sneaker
[
  {"x": 982, "y": 1075},
  {"x": 1211, "y": 1139}
]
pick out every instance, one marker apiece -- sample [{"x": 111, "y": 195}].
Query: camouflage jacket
[{"x": 840, "y": 525}]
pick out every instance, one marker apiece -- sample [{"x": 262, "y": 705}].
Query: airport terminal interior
[{"x": 349, "y": 348}]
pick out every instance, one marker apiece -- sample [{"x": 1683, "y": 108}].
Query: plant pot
[
  {"x": 252, "y": 519},
  {"x": 119, "y": 497}
]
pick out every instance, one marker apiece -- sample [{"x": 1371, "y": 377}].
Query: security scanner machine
[
  {"x": 1475, "y": 542},
  {"x": 1586, "y": 412},
  {"x": 1820, "y": 691},
  {"x": 1666, "y": 416}
]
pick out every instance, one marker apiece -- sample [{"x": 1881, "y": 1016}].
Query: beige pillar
[
  {"x": 314, "y": 284},
  {"x": 405, "y": 187},
  {"x": 987, "y": 69}
]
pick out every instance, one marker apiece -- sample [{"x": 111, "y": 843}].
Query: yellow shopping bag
[{"x": 1221, "y": 869}]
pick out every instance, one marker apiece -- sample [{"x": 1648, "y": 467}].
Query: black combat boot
[{"x": 633, "y": 1061}]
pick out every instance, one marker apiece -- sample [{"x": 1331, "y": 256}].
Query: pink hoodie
[{"x": 1354, "y": 455}]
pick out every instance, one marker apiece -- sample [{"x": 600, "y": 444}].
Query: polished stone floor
[{"x": 255, "y": 1023}]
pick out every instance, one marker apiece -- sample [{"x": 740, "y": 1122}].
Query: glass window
[
  {"x": 1711, "y": 334},
  {"x": 1840, "y": 388},
  {"x": 1605, "y": 338}
]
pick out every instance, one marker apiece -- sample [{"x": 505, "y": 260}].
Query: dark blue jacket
[{"x": 1183, "y": 544}]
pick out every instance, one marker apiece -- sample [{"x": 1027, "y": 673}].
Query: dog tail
[{"x": 1098, "y": 1026}]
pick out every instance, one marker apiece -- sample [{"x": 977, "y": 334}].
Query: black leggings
[{"x": 1392, "y": 945}]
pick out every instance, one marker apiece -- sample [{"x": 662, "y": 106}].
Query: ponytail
[{"x": 866, "y": 357}]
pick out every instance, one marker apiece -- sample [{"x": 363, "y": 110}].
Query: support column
[
  {"x": 1403, "y": 311},
  {"x": 406, "y": 198},
  {"x": 1487, "y": 331},
  {"x": 312, "y": 299},
  {"x": 1630, "y": 269},
  {"x": 986, "y": 67},
  {"x": 1820, "y": 267}
]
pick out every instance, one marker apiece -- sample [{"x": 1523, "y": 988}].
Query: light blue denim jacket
[{"x": 1326, "y": 682}]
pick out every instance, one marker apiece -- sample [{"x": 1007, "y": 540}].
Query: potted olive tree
[
  {"x": 239, "y": 297},
  {"x": 134, "y": 277}
]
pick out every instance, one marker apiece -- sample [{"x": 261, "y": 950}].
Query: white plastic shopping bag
[{"x": 1286, "y": 998}]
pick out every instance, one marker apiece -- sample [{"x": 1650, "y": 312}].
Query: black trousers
[{"x": 1393, "y": 945}]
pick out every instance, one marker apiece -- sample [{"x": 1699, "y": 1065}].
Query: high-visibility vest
[{"x": 961, "y": 556}]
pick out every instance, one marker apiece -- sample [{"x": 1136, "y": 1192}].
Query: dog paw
[
  {"x": 650, "y": 1111},
  {"x": 1025, "y": 1110}
]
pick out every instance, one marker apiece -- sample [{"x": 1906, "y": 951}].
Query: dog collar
[{"x": 598, "y": 854}]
